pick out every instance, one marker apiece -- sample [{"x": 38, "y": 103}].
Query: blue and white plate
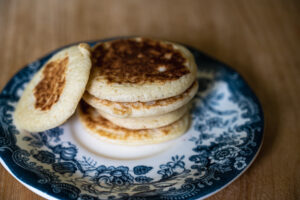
[{"x": 223, "y": 140}]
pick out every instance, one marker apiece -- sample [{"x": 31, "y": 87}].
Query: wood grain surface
[{"x": 260, "y": 39}]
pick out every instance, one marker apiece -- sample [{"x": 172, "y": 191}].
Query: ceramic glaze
[{"x": 224, "y": 138}]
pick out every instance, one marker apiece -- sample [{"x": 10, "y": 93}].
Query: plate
[{"x": 223, "y": 140}]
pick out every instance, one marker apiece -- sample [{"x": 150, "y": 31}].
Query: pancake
[
  {"x": 52, "y": 95},
  {"x": 147, "y": 122},
  {"x": 142, "y": 109},
  {"x": 106, "y": 131},
  {"x": 139, "y": 69}
]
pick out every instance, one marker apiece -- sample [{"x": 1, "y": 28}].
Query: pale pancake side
[
  {"x": 126, "y": 72},
  {"x": 52, "y": 95},
  {"x": 142, "y": 109},
  {"x": 147, "y": 122},
  {"x": 106, "y": 131}
]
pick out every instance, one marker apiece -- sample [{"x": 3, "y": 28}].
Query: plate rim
[{"x": 253, "y": 95}]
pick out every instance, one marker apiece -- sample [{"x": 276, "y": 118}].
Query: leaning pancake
[
  {"x": 106, "y": 131},
  {"x": 52, "y": 95},
  {"x": 141, "y": 109},
  {"x": 139, "y": 69},
  {"x": 147, "y": 122}
]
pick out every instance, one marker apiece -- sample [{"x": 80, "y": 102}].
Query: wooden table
[{"x": 260, "y": 39}]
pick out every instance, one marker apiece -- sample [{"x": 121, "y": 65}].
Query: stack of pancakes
[{"x": 138, "y": 91}]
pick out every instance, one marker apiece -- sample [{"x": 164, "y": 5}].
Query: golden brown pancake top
[
  {"x": 132, "y": 61},
  {"x": 49, "y": 89}
]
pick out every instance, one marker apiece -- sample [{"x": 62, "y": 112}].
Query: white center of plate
[{"x": 114, "y": 151}]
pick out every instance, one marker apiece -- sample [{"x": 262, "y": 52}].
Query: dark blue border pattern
[{"x": 226, "y": 142}]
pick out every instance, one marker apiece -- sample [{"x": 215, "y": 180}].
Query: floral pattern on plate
[{"x": 224, "y": 138}]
